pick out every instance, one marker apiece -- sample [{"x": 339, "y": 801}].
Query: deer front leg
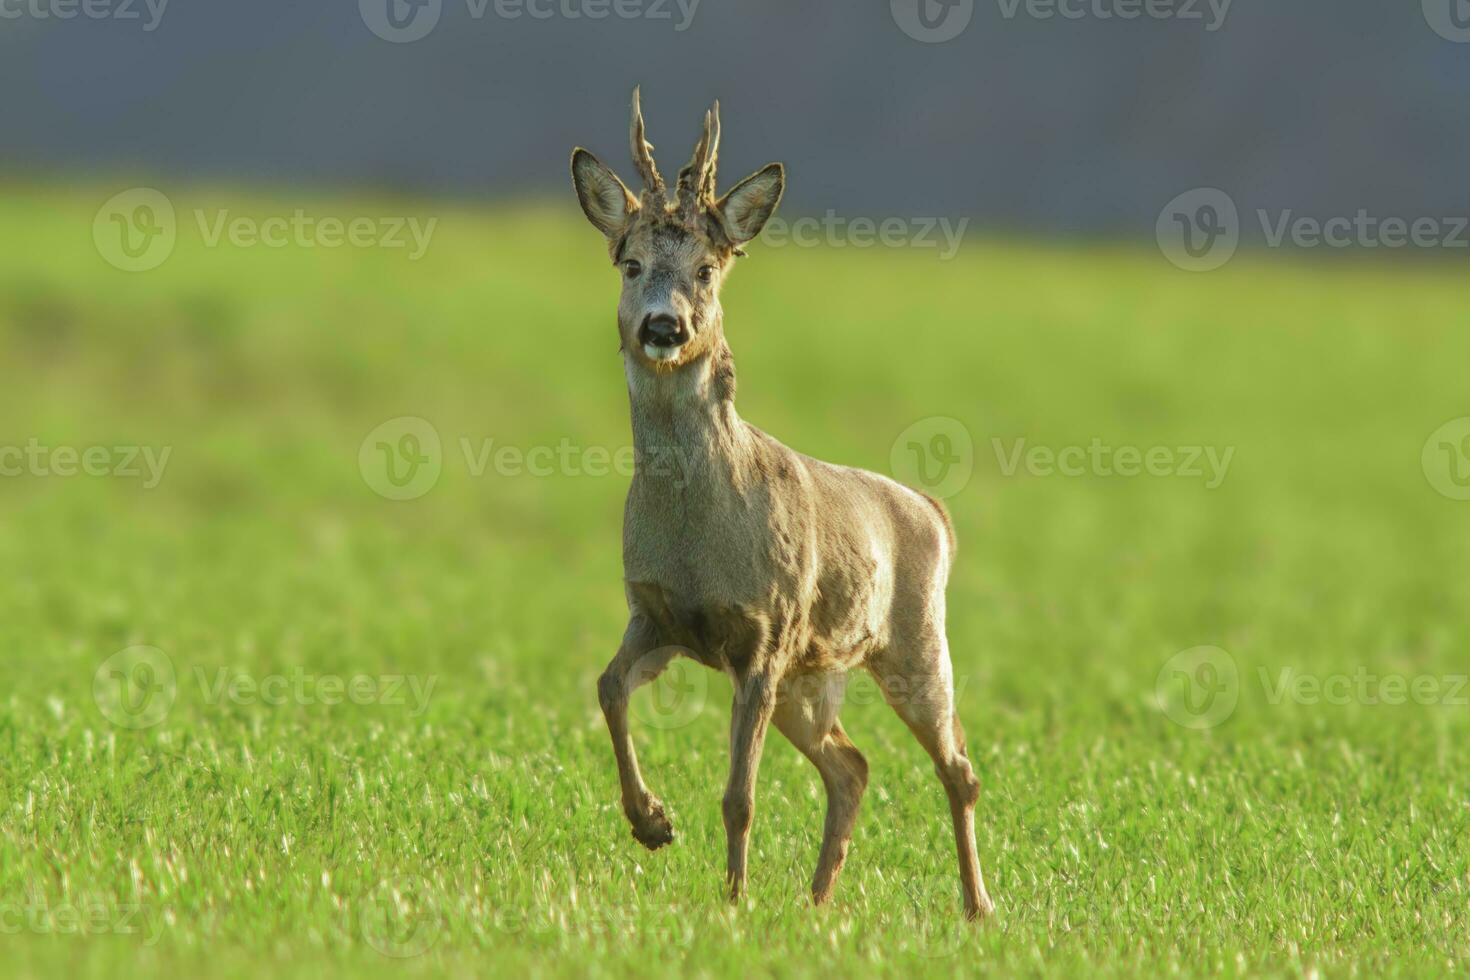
[
  {"x": 755, "y": 700},
  {"x": 639, "y": 661}
]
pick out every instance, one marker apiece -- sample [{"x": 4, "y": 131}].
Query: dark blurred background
[{"x": 1078, "y": 122}]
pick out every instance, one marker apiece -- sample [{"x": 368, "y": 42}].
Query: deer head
[{"x": 673, "y": 255}]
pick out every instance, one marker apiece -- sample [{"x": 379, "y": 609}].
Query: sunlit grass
[{"x": 241, "y": 835}]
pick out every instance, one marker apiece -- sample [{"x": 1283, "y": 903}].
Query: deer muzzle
[{"x": 662, "y": 331}]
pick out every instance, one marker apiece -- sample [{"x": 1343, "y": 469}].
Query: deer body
[
  {"x": 750, "y": 539},
  {"x": 782, "y": 571}
]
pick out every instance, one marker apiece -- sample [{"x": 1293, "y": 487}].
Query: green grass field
[{"x": 466, "y": 822}]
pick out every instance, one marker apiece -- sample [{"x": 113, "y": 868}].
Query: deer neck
[{"x": 686, "y": 432}]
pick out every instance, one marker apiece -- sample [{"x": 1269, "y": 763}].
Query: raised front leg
[
  {"x": 639, "y": 661},
  {"x": 755, "y": 700}
]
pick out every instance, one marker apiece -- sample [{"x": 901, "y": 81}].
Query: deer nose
[{"x": 663, "y": 330}]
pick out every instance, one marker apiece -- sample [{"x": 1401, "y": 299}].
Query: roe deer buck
[{"x": 783, "y": 571}]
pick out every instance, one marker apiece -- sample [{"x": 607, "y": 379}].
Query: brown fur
[{"x": 782, "y": 571}]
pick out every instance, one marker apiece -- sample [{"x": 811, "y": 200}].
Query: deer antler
[
  {"x": 697, "y": 178},
  {"x": 653, "y": 183}
]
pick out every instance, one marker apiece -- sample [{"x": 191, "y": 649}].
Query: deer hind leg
[
  {"x": 638, "y": 661},
  {"x": 918, "y": 682},
  {"x": 806, "y": 713},
  {"x": 750, "y": 716}
]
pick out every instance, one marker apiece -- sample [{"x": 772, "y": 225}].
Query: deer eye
[
  {"x": 632, "y": 269},
  {"x": 706, "y": 273}
]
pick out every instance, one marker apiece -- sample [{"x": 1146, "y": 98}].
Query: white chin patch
[{"x": 662, "y": 353}]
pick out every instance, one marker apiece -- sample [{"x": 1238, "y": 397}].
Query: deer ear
[
  {"x": 605, "y": 200},
  {"x": 746, "y": 207}
]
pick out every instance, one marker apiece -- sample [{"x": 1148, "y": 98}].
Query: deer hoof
[
  {"x": 984, "y": 912},
  {"x": 652, "y": 828}
]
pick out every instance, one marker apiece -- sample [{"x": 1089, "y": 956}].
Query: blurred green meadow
[{"x": 254, "y": 792}]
